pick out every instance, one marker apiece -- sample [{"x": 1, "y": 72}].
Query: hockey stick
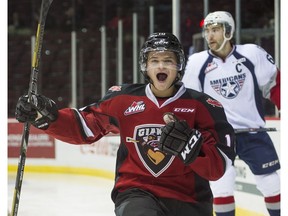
[
  {"x": 45, "y": 5},
  {"x": 247, "y": 130}
]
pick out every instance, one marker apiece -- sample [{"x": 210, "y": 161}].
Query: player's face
[
  {"x": 214, "y": 35},
  {"x": 162, "y": 70}
]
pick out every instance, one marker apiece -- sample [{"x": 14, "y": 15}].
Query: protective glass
[
  {"x": 212, "y": 29},
  {"x": 169, "y": 63}
]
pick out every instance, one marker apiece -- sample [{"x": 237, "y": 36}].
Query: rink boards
[{"x": 48, "y": 155}]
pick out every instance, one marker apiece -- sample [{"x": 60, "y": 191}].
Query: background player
[
  {"x": 194, "y": 149},
  {"x": 239, "y": 76}
]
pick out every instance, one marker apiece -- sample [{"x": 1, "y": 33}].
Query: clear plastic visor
[
  {"x": 211, "y": 28},
  {"x": 169, "y": 61}
]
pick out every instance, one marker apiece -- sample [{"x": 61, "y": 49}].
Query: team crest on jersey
[
  {"x": 136, "y": 107},
  {"x": 146, "y": 138},
  {"x": 211, "y": 66},
  {"x": 229, "y": 87}
]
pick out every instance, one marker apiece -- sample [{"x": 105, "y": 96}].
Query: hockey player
[
  {"x": 238, "y": 76},
  {"x": 162, "y": 168}
]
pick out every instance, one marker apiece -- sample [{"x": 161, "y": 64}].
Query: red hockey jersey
[{"x": 135, "y": 113}]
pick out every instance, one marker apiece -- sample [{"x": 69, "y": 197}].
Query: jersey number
[
  {"x": 270, "y": 59},
  {"x": 228, "y": 140}
]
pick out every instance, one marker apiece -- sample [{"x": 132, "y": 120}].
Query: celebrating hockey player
[
  {"x": 173, "y": 140},
  {"x": 239, "y": 76}
]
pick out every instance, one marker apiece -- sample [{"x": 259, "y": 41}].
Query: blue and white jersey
[{"x": 239, "y": 82}]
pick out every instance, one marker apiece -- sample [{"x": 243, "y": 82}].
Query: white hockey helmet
[{"x": 224, "y": 18}]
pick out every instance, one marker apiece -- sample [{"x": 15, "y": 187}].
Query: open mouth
[{"x": 162, "y": 76}]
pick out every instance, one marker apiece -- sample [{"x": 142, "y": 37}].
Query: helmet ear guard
[
  {"x": 228, "y": 31},
  {"x": 162, "y": 42}
]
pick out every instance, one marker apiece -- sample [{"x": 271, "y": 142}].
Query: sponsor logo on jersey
[
  {"x": 213, "y": 102},
  {"x": 115, "y": 88},
  {"x": 136, "y": 107},
  {"x": 229, "y": 87},
  {"x": 211, "y": 66},
  {"x": 146, "y": 138},
  {"x": 183, "y": 110}
]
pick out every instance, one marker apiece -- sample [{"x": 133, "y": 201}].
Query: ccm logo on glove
[{"x": 191, "y": 144}]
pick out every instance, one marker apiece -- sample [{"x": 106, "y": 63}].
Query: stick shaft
[
  {"x": 247, "y": 130},
  {"x": 38, "y": 46},
  {"x": 20, "y": 170},
  {"x": 45, "y": 5}
]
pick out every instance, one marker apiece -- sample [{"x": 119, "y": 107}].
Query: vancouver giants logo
[
  {"x": 136, "y": 107},
  {"x": 229, "y": 87},
  {"x": 146, "y": 138}
]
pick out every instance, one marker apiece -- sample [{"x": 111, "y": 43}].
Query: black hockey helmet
[{"x": 162, "y": 41}]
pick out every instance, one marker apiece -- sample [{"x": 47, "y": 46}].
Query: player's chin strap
[{"x": 225, "y": 40}]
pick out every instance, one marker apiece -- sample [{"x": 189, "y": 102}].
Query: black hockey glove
[
  {"x": 179, "y": 139},
  {"x": 39, "y": 104},
  {"x": 24, "y": 110}
]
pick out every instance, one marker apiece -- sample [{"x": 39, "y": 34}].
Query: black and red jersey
[{"x": 132, "y": 111}]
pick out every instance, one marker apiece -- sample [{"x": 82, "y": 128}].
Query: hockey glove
[
  {"x": 179, "y": 139},
  {"x": 39, "y": 105},
  {"x": 24, "y": 110}
]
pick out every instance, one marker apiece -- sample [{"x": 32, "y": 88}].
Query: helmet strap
[
  {"x": 225, "y": 40},
  {"x": 222, "y": 45}
]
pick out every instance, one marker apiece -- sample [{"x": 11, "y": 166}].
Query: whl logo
[{"x": 136, "y": 107}]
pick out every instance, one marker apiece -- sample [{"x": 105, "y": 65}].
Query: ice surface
[{"x": 45, "y": 194}]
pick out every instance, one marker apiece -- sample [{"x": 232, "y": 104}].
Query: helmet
[
  {"x": 221, "y": 17},
  {"x": 162, "y": 42}
]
